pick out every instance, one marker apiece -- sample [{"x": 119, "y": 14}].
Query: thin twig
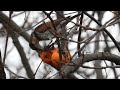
[
  {"x": 46, "y": 75},
  {"x": 58, "y": 41},
  {"x": 79, "y": 35},
  {"x": 14, "y": 73},
  {"x": 12, "y": 26},
  {"x": 117, "y": 66},
  {"x": 38, "y": 68},
  {"x": 52, "y": 75},
  {"x": 82, "y": 76},
  {"x": 10, "y": 13},
  {"x": 87, "y": 58},
  {"x": 105, "y": 68},
  {"x": 116, "y": 44},
  {"x": 25, "y": 20},
  {"x": 27, "y": 29},
  {"x": 18, "y": 14},
  {"x": 6, "y": 44},
  {"x": 86, "y": 42}
]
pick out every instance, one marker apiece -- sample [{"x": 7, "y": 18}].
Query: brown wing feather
[{"x": 45, "y": 26}]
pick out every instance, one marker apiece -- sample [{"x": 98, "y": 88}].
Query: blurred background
[{"x": 29, "y": 20}]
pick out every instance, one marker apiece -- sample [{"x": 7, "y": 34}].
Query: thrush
[{"x": 46, "y": 31}]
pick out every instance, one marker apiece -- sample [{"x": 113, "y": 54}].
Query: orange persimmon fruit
[{"x": 51, "y": 57}]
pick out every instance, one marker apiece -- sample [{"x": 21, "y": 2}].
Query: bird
[
  {"x": 51, "y": 57},
  {"x": 45, "y": 31}
]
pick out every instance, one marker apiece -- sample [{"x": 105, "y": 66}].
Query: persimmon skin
[
  {"x": 51, "y": 57},
  {"x": 46, "y": 56}
]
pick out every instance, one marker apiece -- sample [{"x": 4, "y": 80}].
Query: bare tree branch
[
  {"x": 22, "y": 55},
  {"x": 11, "y": 28},
  {"x": 112, "y": 38},
  {"x": 14, "y": 73},
  {"x": 12, "y": 25},
  {"x": 79, "y": 35},
  {"x": 67, "y": 69},
  {"x": 2, "y": 72}
]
